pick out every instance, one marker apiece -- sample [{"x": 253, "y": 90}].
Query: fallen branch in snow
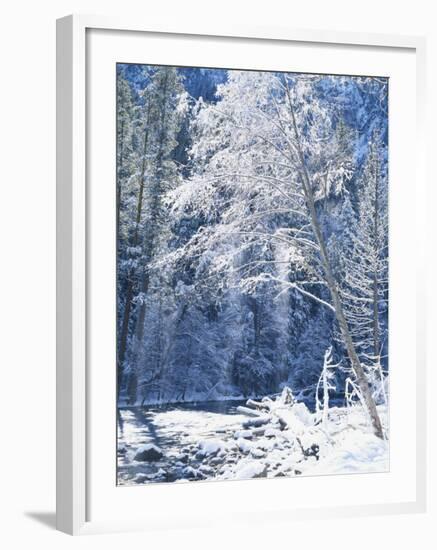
[
  {"x": 257, "y": 405},
  {"x": 248, "y": 412},
  {"x": 257, "y": 422}
]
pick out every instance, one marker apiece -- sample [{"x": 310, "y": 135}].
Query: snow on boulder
[
  {"x": 251, "y": 469},
  {"x": 210, "y": 447},
  {"x": 148, "y": 453},
  {"x": 190, "y": 473},
  {"x": 231, "y": 446},
  {"x": 206, "y": 470},
  {"x": 245, "y": 434},
  {"x": 244, "y": 445},
  {"x": 265, "y": 444},
  {"x": 141, "y": 478},
  {"x": 182, "y": 457},
  {"x": 272, "y": 432},
  {"x": 257, "y": 453},
  {"x": 160, "y": 475}
]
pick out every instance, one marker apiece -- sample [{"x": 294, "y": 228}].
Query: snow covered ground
[{"x": 276, "y": 440}]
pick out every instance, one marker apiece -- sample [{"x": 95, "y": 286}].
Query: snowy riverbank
[{"x": 271, "y": 438}]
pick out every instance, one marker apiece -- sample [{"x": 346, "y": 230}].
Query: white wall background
[{"x": 27, "y": 272}]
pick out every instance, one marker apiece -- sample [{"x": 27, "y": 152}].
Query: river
[{"x": 176, "y": 430}]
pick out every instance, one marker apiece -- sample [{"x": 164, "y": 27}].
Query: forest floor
[{"x": 271, "y": 438}]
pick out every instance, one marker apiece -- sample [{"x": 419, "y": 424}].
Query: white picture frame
[{"x": 73, "y": 299}]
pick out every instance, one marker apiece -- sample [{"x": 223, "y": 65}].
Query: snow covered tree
[
  {"x": 365, "y": 288},
  {"x": 242, "y": 219},
  {"x": 127, "y": 119},
  {"x": 156, "y": 173},
  {"x": 261, "y": 153},
  {"x": 126, "y": 112},
  {"x": 133, "y": 218},
  {"x": 326, "y": 383}
]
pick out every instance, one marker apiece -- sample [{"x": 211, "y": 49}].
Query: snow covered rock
[
  {"x": 272, "y": 432},
  {"x": 210, "y": 447},
  {"x": 257, "y": 453},
  {"x": 148, "y": 453},
  {"x": 245, "y": 434},
  {"x": 161, "y": 474},
  {"x": 189, "y": 472},
  {"x": 265, "y": 444},
  {"x": 244, "y": 445},
  {"x": 231, "y": 446},
  {"x": 251, "y": 470},
  {"x": 141, "y": 478},
  {"x": 182, "y": 457},
  {"x": 206, "y": 470}
]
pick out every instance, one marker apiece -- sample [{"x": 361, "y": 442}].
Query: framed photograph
[{"x": 240, "y": 320}]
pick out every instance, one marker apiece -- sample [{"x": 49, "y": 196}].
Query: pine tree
[
  {"x": 365, "y": 286},
  {"x": 127, "y": 113},
  {"x": 163, "y": 100}
]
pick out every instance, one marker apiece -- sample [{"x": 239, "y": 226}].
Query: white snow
[
  {"x": 301, "y": 411},
  {"x": 249, "y": 469},
  {"x": 256, "y": 452},
  {"x": 302, "y": 447},
  {"x": 211, "y": 446},
  {"x": 245, "y": 434},
  {"x": 272, "y": 432},
  {"x": 244, "y": 445},
  {"x": 358, "y": 453}
]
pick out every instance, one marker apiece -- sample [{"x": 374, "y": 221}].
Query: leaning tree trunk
[{"x": 363, "y": 385}]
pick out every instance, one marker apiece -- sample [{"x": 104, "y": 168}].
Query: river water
[{"x": 176, "y": 430}]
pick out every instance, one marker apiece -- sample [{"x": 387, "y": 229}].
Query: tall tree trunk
[
  {"x": 255, "y": 307},
  {"x": 376, "y": 331},
  {"x": 149, "y": 248},
  {"x": 130, "y": 281},
  {"x": 171, "y": 336},
  {"x": 369, "y": 402},
  {"x": 119, "y": 169},
  {"x": 169, "y": 344}
]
